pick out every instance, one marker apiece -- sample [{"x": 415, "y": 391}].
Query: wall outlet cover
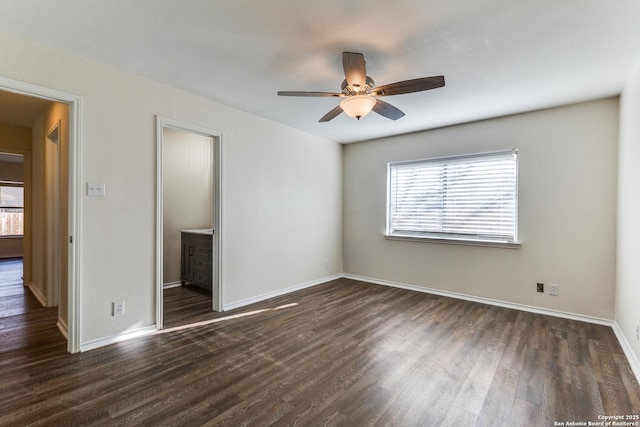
[{"x": 118, "y": 308}]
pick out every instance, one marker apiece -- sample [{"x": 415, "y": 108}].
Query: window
[
  {"x": 470, "y": 199},
  {"x": 11, "y": 209}
]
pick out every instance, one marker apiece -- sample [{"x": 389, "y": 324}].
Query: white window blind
[{"x": 471, "y": 197}]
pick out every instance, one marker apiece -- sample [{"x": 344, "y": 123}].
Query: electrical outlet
[
  {"x": 554, "y": 289},
  {"x": 326, "y": 263},
  {"x": 540, "y": 287},
  {"x": 118, "y": 308},
  {"x": 638, "y": 331}
]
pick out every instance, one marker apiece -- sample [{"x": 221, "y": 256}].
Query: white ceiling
[{"x": 498, "y": 56}]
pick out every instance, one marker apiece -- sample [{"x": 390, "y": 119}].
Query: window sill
[{"x": 452, "y": 241}]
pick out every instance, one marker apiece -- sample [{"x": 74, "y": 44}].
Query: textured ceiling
[{"x": 498, "y": 57}]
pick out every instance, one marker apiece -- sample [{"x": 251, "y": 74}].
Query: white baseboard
[
  {"x": 628, "y": 351},
  {"x": 171, "y": 285},
  {"x": 101, "y": 342},
  {"x": 505, "y": 304},
  {"x": 63, "y": 328},
  {"x": 41, "y": 298},
  {"x": 280, "y": 292}
]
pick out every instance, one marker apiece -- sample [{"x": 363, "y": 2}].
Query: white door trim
[
  {"x": 217, "y": 285},
  {"x": 75, "y": 142}
]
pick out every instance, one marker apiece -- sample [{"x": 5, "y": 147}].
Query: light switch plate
[{"x": 95, "y": 189}]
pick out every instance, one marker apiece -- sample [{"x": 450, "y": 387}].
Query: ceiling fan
[{"x": 360, "y": 93}]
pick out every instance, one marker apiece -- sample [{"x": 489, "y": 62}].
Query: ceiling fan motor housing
[{"x": 350, "y": 91}]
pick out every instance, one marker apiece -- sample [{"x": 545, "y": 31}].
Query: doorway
[
  {"x": 188, "y": 213},
  {"x": 57, "y": 247}
]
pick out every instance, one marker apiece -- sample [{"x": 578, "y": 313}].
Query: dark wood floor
[
  {"x": 13, "y": 295},
  {"x": 183, "y": 305},
  {"x": 343, "y": 353}
]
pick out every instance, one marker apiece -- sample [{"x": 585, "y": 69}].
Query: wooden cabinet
[{"x": 197, "y": 256}]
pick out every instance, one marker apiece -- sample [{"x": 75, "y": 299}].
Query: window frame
[
  {"x": 15, "y": 184},
  {"x": 459, "y": 238}
]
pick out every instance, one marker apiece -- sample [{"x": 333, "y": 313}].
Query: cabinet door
[{"x": 188, "y": 261}]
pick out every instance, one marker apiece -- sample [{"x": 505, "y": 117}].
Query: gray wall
[{"x": 567, "y": 211}]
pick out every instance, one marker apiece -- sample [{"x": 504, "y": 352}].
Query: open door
[{"x": 52, "y": 215}]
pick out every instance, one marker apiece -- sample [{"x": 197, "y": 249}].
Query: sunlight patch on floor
[{"x": 222, "y": 319}]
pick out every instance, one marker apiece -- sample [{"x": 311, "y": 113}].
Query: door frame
[
  {"x": 217, "y": 285},
  {"x": 74, "y": 208}
]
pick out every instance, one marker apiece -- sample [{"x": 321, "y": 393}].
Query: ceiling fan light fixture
[
  {"x": 360, "y": 94},
  {"x": 358, "y": 106}
]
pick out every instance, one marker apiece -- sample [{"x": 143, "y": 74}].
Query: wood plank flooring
[
  {"x": 183, "y": 305},
  {"x": 25, "y": 326},
  {"x": 13, "y": 295},
  {"x": 342, "y": 353}
]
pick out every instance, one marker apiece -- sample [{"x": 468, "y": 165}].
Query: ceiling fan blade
[
  {"x": 387, "y": 110},
  {"x": 297, "y": 93},
  {"x": 331, "y": 114},
  {"x": 409, "y": 86},
  {"x": 355, "y": 69}
]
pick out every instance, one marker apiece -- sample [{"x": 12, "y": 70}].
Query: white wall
[
  {"x": 281, "y": 201},
  {"x": 187, "y": 192},
  {"x": 287, "y": 206},
  {"x": 628, "y": 268},
  {"x": 567, "y": 202}
]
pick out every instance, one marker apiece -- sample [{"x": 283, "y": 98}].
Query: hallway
[
  {"x": 14, "y": 297},
  {"x": 20, "y": 311}
]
